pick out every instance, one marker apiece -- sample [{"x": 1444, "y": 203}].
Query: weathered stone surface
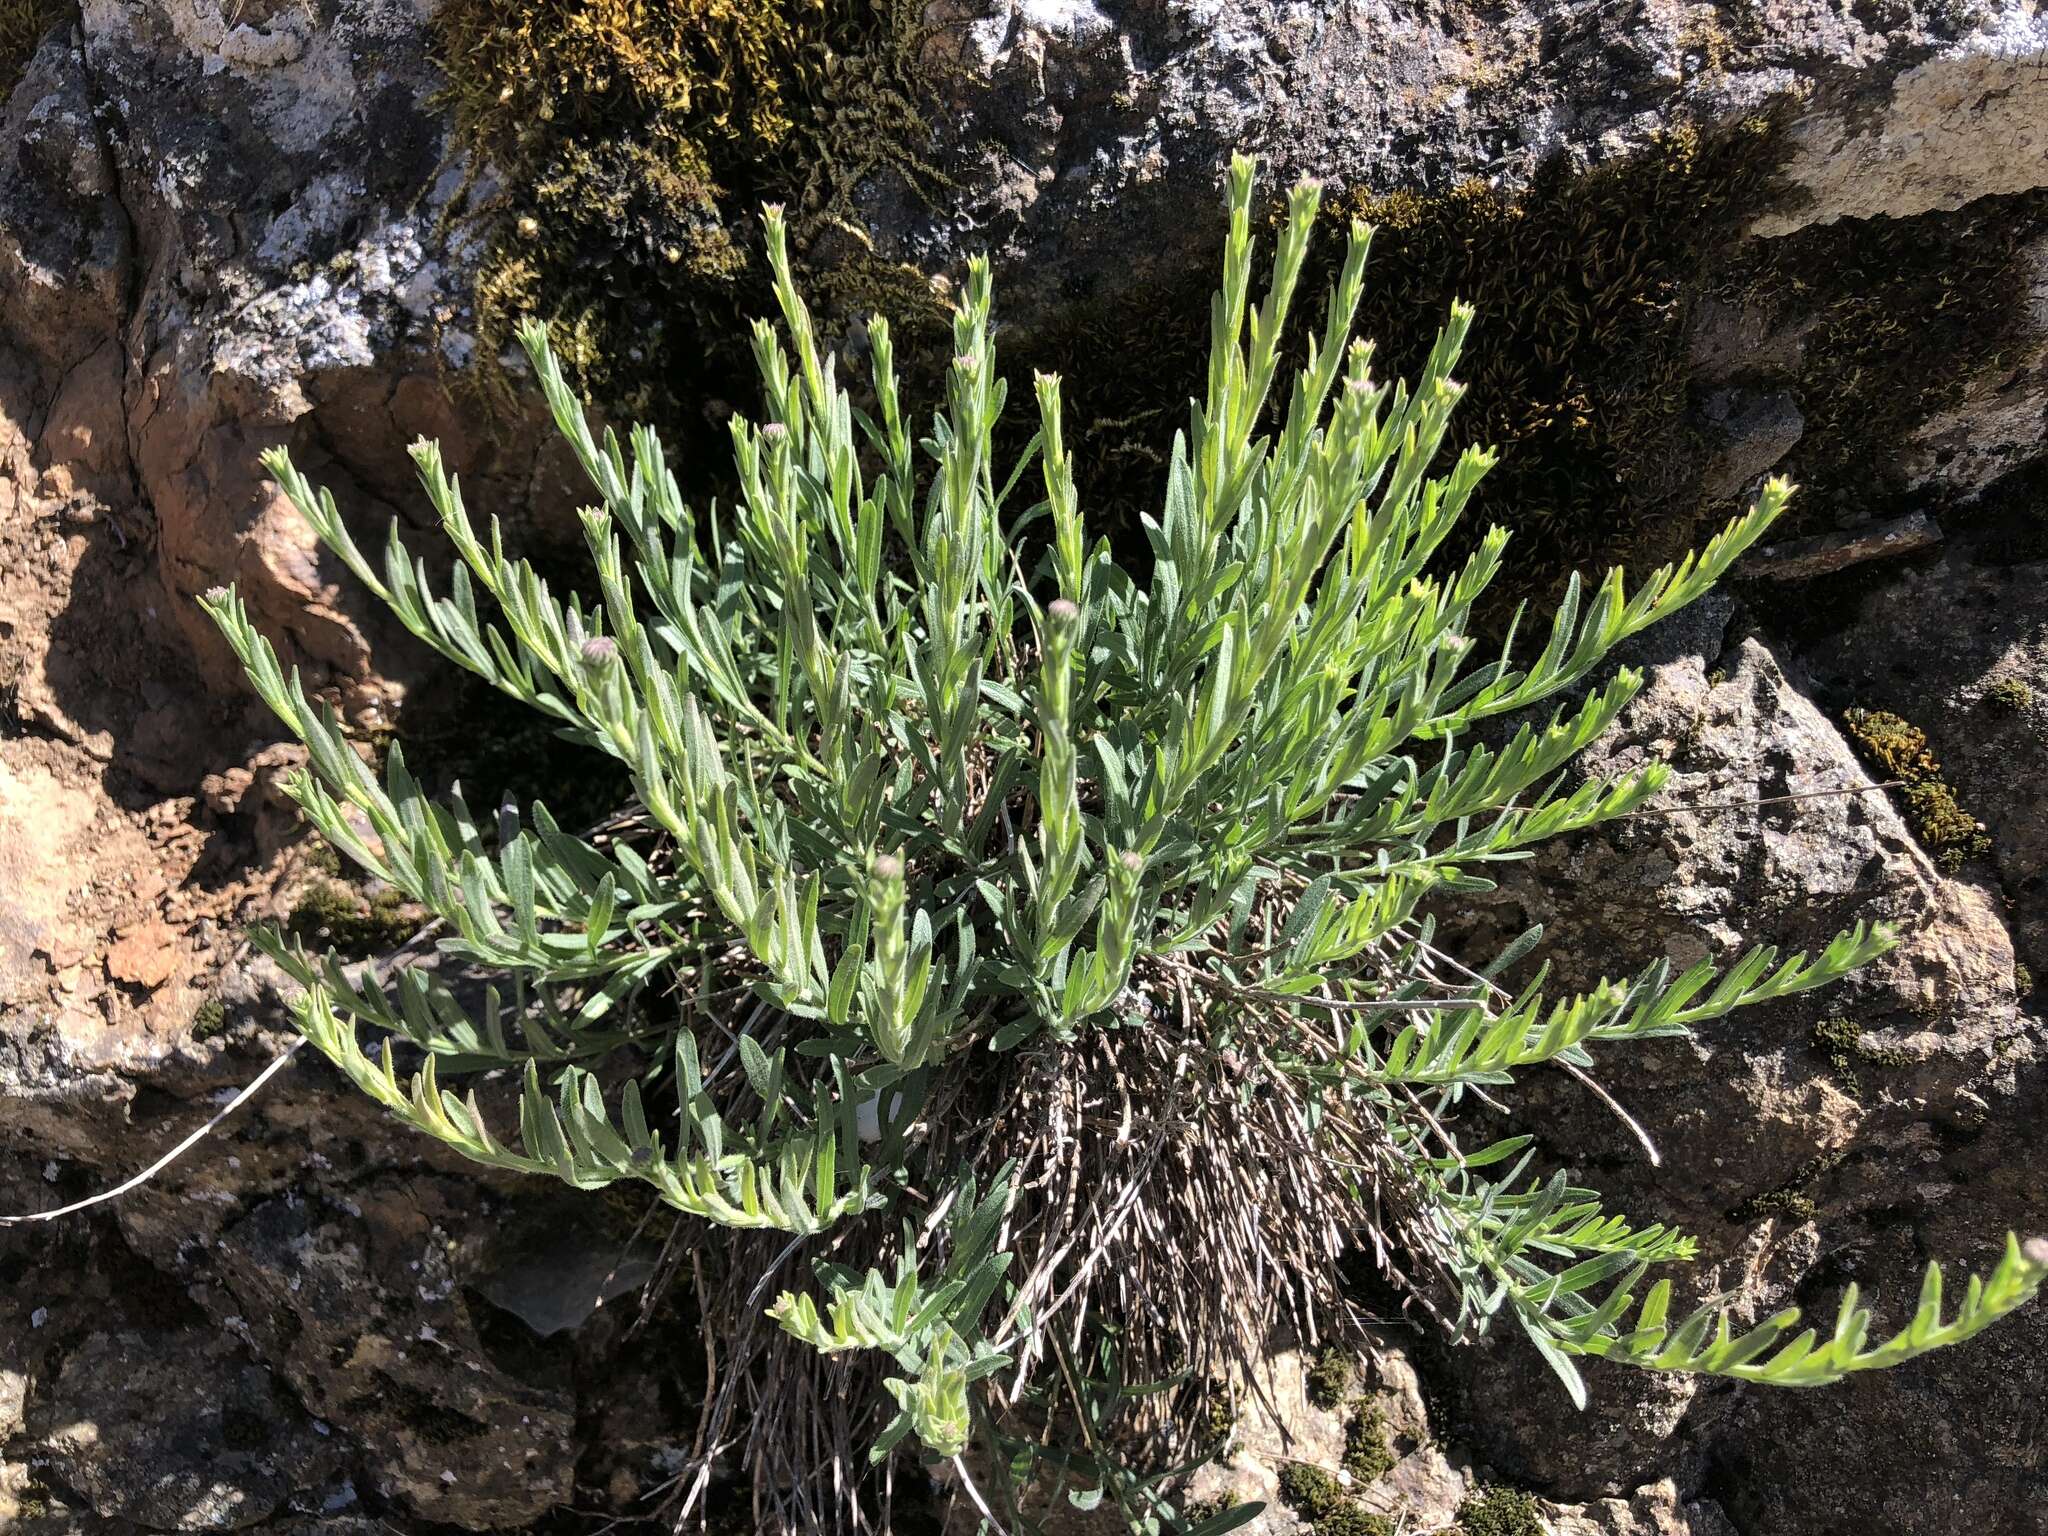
[
  {"x": 1795, "y": 1172},
  {"x": 176, "y": 1432},
  {"x": 225, "y": 227},
  {"x": 1959, "y": 648},
  {"x": 1969, "y": 121},
  {"x": 1089, "y": 137}
]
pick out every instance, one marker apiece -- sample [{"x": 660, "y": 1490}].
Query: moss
[
  {"x": 1577, "y": 369},
  {"x": 636, "y": 141},
  {"x": 2010, "y": 695},
  {"x": 328, "y": 914},
  {"x": 1842, "y": 1043},
  {"x": 1579, "y": 366},
  {"x": 1776, "y": 1202},
  {"x": 1329, "y": 1378},
  {"x": 1899, "y": 750},
  {"x": 1321, "y": 1500},
  {"x": 1898, "y": 317},
  {"x": 33, "y": 1502},
  {"x": 1498, "y": 1511},
  {"x": 23, "y": 25},
  {"x": 1790, "y": 1198},
  {"x": 209, "y": 1019},
  {"x": 2022, "y": 979},
  {"x": 1198, "y": 1511},
  {"x": 1367, "y": 1456},
  {"x": 1220, "y": 1421}
]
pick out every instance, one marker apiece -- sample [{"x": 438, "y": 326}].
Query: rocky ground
[{"x": 228, "y": 226}]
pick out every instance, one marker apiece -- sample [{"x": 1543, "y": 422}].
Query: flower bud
[
  {"x": 1060, "y": 611},
  {"x": 216, "y": 593},
  {"x": 599, "y": 650},
  {"x": 888, "y": 867},
  {"x": 774, "y": 432}
]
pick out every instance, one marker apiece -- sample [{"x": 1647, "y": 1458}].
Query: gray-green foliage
[{"x": 926, "y": 778}]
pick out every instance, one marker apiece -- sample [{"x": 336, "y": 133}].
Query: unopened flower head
[
  {"x": 600, "y": 649},
  {"x": 888, "y": 867},
  {"x": 774, "y": 432}
]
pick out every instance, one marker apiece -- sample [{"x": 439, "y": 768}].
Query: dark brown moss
[
  {"x": 333, "y": 916},
  {"x": 1842, "y": 1043},
  {"x": 1577, "y": 368},
  {"x": 1899, "y": 316}
]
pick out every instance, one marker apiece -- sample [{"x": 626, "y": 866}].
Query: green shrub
[{"x": 1020, "y": 955}]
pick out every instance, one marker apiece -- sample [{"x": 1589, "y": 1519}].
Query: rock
[
  {"x": 1756, "y": 432},
  {"x": 553, "y": 1274},
  {"x": 1959, "y": 648},
  {"x": 1971, "y": 121},
  {"x": 227, "y": 227},
  {"x": 1798, "y": 1157},
  {"x": 1653, "y": 1510},
  {"x": 1057, "y": 114},
  {"x": 145, "y": 957},
  {"x": 2000, "y": 416},
  {"x": 176, "y": 1432},
  {"x": 363, "y": 1314}
]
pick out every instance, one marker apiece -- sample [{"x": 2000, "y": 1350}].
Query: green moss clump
[
  {"x": 1221, "y": 1423},
  {"x": 23, "y": 25},
  {"x": 1791, "y": 1198},
  {"x": 209, "y": 1019},
  {"x": 1842, "y": 1043},
  {"x": 1320, "y": 1499},
  {"x": 635, "y": 140},
  {"x": 1367, "y": 1456},
  {"x": 332, "y": 915},
  {"x": 1329, "y": 1378},
  {"x": 2009, "y": 694},
  {"x": 2022, "y": 979},
  {"x": 1788, "y": 1202},
  {"x": 1495, "y": 1511},
  {"x": 1899, "y": 749},
  {"x": 1198, "y": 1511}
]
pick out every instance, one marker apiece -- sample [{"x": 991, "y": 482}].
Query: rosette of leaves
[{"x": 1023, "y": 958}]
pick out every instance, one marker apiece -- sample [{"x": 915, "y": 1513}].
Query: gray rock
[
  {"x": 1756, "y": 431},
  {"x": 176, "y": 1432},
  {"x": 1086, "y": 141},
  {"x": 1795, "y": 1173}
]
